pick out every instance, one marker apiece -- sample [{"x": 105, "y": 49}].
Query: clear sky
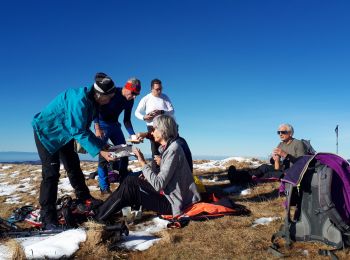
[{"x": 234, "y": 69}]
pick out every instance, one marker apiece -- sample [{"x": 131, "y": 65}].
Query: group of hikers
[{"x": 166, "y": 186}]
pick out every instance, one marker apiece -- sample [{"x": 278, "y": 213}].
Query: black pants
[
  {"x": 155, "y": 151},
  {"x": 133, "y": 192},
  {"x": 50, "y": 177},
  {"x": 266, "y": 171}
]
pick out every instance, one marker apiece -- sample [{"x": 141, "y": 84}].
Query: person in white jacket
[{"x": 150, "y": 106}]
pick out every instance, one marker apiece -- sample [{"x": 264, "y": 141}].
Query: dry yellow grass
[
  {"x": 230, "y": 237},
  {"x": 16, "y": 249}
]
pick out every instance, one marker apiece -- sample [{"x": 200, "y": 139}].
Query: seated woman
[{"x": 175, "y": 179}]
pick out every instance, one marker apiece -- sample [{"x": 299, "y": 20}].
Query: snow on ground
[
  {"x": 13, "y": 200},
  {"x": 64, "y": 244},
  {"x": 237, "y": 189},
  {"x": 25, "y": 180},
  {"x": 5, "y": 167},
  {"x": 14, "y": 174},
  {"x": 221, "y": 163},
  {"x": 246, "y": 192},
  {"x": 5, "y": 252},
  {"x": 7, "y": 189},
  {"x": 264, "y": 221},
  {"x": 143, "y": 236},
  {"x": 87, "y": 173},
  {"x": 64, "y": 185},
  {"x": 11, "y": 191}
]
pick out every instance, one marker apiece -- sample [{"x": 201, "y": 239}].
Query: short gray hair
[
  {"x": 134, "y": 81},
  {"x": 166, "y": 125},
  {"x": 289, "y": 128}
]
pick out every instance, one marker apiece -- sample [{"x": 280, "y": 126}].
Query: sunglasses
[{"x": 282, "y": 132}]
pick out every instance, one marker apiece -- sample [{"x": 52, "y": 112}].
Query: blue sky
[{"x": 234, "y": 70}]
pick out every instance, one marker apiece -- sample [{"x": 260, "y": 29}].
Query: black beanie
[{"x": 103, "y": 84}]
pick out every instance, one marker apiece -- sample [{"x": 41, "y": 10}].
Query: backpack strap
[
  {"x": 326, "y": 203},
  {"x": 325, "y": 252},
  {"x": 284, "y": 228}
]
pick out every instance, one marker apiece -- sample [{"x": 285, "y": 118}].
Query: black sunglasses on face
[{"x": 282, "y": 132}]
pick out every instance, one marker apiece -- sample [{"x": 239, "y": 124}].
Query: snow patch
[
  {"x": 7, "y": 189},
  {"x": 57, "y": 246},
  {"x": 65, "y": 185},
  {"x": 264, "y": 221},
  {"x": 142, "y": 238},
  {"x": 62, "y": 245},
  {"x": 237, "y": 189},
  {"x": 5, "y": 252}
]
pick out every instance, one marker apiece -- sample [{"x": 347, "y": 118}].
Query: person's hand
[
  {"x": 99, "y": 133},
  {"x": 157, "y": 112},
  {"x": 139, "y": 156},
  {"x": 141, "y": 135},
  {"x": 148, "y": 117},
  {"x": 136, "y": 138},
  {"x": 279, "y": 152},
  {"x": 157, "y": 159},
  {"x": 276, "y": 157},
  {"x": 106, "y": 155}
]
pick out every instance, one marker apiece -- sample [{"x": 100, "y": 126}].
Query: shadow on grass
[{"x": 263, "y": 197}]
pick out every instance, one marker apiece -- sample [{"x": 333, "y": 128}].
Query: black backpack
[{"x": 309, "y": 189}]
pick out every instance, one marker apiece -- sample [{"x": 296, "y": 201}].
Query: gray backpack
[
  {"x": 308, "y": 147},
  {"x": 312, "y": 190}
]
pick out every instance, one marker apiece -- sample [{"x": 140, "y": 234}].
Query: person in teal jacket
[{"x": 67, "y": 118}]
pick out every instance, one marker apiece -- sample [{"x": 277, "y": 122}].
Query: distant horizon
[{"x": 8, "y": 156}]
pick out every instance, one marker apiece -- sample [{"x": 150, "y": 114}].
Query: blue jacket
[
  {"x": 110, "y": 112},
  {"x": 68, "y": 116}
]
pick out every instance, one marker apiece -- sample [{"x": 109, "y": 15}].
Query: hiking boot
[
  {"x": 83, "y": 208},
  {"x": 88, "y": 205}
]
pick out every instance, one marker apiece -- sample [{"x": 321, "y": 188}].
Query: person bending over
[
  {"x": 107, "y": 126},
  {"x": 67, "y": 118}
]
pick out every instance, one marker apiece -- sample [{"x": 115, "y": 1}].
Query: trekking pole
[
  {"x": 29, "y": 233},
  {"x": 336, "y": 134},
  {"x": 116, "y": 231}
]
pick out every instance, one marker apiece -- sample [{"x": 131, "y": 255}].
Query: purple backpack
[{"x": 318, "y": 189}]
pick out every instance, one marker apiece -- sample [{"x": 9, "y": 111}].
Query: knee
[
  {"x": 51, "y": 173},
  {"x": 131, "y": 180}
]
